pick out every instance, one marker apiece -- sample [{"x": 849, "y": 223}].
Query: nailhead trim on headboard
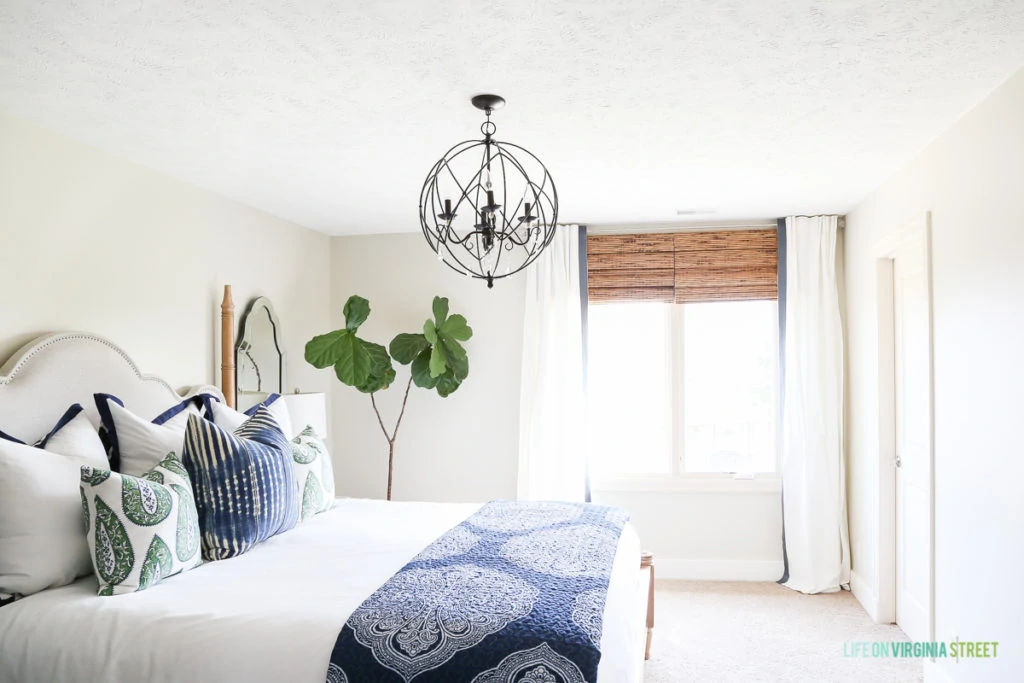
[
  {"x": 25, "y": 353},
  {"x": 17, "y": 362}
]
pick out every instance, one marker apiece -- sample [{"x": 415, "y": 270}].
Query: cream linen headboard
[{"x": 50, "y": 373}]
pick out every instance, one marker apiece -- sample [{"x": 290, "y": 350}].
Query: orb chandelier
[{"x": 488, "y": 208}]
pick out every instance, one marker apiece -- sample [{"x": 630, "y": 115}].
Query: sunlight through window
[{"x": 682, "y": 389}]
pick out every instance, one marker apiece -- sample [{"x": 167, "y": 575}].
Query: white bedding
[{"x": 272, "y": 614}]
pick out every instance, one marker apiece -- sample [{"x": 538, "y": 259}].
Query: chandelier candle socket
[{"x": 488, "y": 208}]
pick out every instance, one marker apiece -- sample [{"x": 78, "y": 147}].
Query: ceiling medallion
[{"x": 488, "y": 208}]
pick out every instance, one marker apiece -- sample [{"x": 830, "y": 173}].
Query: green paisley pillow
[
  {"x": 311, "y": 464},
  {"x": 140, "y": 529}
]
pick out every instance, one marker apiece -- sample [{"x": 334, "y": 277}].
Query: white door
[{"x": 912, "y": 327}]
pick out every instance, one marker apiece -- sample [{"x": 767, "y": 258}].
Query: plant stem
[
  {"x": 391, "y": 438},
  {"x": 373, "y": 400},
  {"x": 391, "y": 464},
  {"x": 401, "y": 413}
]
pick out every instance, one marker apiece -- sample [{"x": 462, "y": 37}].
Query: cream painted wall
[
  {"x": 971, "y": 179},
  {"x": 714, "y": 534},
  {"x": 94, "y": 243},
  {"x": 460, "y": 448}
]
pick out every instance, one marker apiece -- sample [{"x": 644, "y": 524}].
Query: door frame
[{"x": 917, "y": 228}]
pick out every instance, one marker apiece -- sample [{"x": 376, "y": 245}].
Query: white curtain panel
[
  {"x": 813, "y": 487},
  {"x": 552, "y": 462}
]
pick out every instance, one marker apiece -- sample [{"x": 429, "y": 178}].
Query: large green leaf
[
  {"x": 458, "y": 362},
  {"x": 452, "y": 348},
  {"x": 430, "y": 331},
  {"x": 421, "y": 376},
  {"x": 324, "y": 350},
  {"x": 382, "y": 373},
  {"x": 405, "y": 347},
  {"x": 375, "y": 383},
  {"x": 380, "y": 361},
  {"x": 357, "y": 310},
  {"x": 440, "y": 310},
  {"x": 455, "y": 327},
  {"x": 447, "y": 384},
  {"x": 353, "y": 362},
  {"x": 438, "y": 361}
]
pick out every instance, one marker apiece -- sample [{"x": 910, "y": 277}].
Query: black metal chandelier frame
[{"x": 478, "y": 249}]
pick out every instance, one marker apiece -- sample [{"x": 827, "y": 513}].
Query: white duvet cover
[{"x": 272, "y": 614}]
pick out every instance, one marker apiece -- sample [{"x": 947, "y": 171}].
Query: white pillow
[
  {"x": 138, "y": 445},
  {"x": 230, "y": 419},
  {"x": 42, "y": 537}
]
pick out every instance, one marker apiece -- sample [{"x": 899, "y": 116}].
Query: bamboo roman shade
[{"x": 726, "y": 265}]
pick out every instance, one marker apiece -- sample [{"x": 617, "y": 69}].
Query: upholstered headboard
[{"x": 50, "y": 373}]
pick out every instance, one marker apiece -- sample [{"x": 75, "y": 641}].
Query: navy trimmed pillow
[
  {"x": 244, "y": 486},
  {"x": 42, "y": 542},
  {"x": 136, "y": 445},
  {"x": 69, "y": 415},
  {"x": 231, "y": 419}
]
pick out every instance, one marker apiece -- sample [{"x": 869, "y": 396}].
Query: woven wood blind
[{"x": 727, "y": 265}]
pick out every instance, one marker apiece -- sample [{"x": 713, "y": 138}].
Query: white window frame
[{"x": 680, "y": 481}]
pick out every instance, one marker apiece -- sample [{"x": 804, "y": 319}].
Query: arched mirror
[{"x": 258, "y": 356}]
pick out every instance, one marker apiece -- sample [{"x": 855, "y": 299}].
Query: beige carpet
[{"x": 720, "y": 632}]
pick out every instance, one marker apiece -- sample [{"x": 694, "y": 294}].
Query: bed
[{"x": 271, "y": 614}]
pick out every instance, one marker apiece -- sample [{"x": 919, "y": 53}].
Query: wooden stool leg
[
  {"x": 650, "y": 614},
  {"x": 647, "y": 562}
]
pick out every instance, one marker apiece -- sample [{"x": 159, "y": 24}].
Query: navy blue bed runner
[{"x": 514, "y": 594}]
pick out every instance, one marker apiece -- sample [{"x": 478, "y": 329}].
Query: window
[
  {"x": 629, "y": 388},
  {"x": 683, "y": 353},
  {"x": 682, "y": 388},
  {"x": 729, "y": 394}
]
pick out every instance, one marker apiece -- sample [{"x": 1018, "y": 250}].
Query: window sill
[{"x": 761, "y": 484}]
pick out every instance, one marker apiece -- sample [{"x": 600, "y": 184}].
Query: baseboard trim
[
  {"x": 718, "y": 570},
  {"x": 933, "y": 673},
  {"x": 865, "y": 594}
]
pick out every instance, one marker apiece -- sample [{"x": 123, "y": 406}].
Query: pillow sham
[
  {"x": 314, "y": 474},
  {"x": 140, "y": 530},
  {"x": 135, "y": 444},
  {"x": 41, "y": 540},
  {"x": 231, "y": 419},
  {"x": 60, "y": 440},
  {"x": 244, "y": 485}
]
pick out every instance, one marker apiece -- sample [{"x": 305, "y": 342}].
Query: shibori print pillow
[
  {"x": 244, "y": 485},
  {"x": 140, "y": 529},
  {"x": 314, "y": 473}
]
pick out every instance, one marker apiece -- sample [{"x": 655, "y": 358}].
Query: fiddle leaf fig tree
[{"x": 436, "y": 358}]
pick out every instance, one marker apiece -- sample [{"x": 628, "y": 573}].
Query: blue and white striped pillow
[{"x": 244, "y": 486}]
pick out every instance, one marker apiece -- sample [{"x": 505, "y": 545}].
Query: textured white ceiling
[{"x": 330, "y": 113}]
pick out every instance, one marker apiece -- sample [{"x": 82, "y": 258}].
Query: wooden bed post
[
  {"x": 227, "y": 347},
  {"x": 647, "y": 561}
]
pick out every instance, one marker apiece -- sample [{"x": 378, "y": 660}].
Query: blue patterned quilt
[{"x": 514, "y": 594}]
